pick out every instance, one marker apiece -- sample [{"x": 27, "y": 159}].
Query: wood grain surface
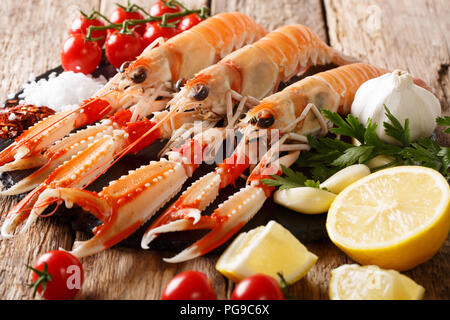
[{"x": 411, "y": 35}]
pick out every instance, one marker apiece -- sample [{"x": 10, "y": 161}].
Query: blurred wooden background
[{"x": 405, "y": 34}]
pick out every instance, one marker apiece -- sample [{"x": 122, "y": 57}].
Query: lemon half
[
  {"x": 267, "y": 249},
  {"x": 395, "y": 218},
  {"x": 353, "y": 282}
]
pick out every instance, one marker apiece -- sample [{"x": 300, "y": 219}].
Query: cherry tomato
[
  {"x": 119, "y": 15},
  {"x": 188, "y": 22},
  {"x": 122, "y": 47},
  {"x": 60, "y": 273},
  {"x": 78, "y": 55},
  {"x": 154, "y": 31},
  {"x": 258, "y": 287},
  {"x": 189, "y": 285},
  {"x": 159, "y": 8},
  {"x": 80, "y": 25}
]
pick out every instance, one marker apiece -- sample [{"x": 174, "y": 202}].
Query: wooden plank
[
  {"x": 31, "y": 46},
  {"x": 273, "y": 14},
  {"x": 397, "y": 34},
  {"x": 122, "y": 273},
  {"x": 126, "y": 273}
]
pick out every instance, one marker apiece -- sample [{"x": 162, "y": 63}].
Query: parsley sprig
[
  {"x": 327, "y": 155},
  {"x": 290, "y": 179}
]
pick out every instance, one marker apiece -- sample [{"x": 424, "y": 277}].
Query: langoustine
[
  {"x": 276, "y": 57},
  {"x": 180, "y": 57}
]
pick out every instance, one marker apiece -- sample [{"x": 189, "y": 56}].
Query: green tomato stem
[
  {"x": 43, "y": 278},
  {"x": 124, "y": 26}
]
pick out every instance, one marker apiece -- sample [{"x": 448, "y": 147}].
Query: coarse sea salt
[{"x": 61, "y": 92}]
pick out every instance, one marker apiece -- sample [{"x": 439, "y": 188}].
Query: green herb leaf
[
  {"x": 350, "y": 127},
  {"x": 396, "y": 130},
  {"x": 444, "y": 153},
  {"x": 292, "y": 179},
  {"x": 354, "y": 155},
  {"x": 296, "y": 177},
  {"x": 370, "y": 135},
  {"x": 312, "y": 184},
  {"x": 444, "y": 122},
  {"x": 281, "y": 182}
]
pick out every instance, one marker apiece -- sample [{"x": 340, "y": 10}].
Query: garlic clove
[
  {"x": 345, "y": 177},
  {"x": 379, "y": 161},
  {"x": 305, "y": 199}
]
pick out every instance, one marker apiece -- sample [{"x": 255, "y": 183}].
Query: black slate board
[{"x": 306, "y": 228}]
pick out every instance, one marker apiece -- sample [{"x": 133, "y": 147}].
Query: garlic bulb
[{"x": 403, "y": 98}]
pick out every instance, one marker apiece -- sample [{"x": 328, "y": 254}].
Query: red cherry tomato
[
  {"x": 258, "y": 287},
  {"x": 188, "y": 22},
  {"x": 62, "y": 279},
  {"x": 154, "y": 31},
  {"x": 119, "y": 15},
  {"x": 120, "y": 48},
  {"x": 189, "y": 285},
  {"x": 78, "y": 55},
  {"x": 159, "y": 8},
  {"x": 80, "y": 25}
]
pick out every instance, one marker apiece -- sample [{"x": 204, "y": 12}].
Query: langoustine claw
[{"x": 124, "y": 205}]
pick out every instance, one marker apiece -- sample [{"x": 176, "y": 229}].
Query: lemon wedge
[
  {"x": 353, "y": 282},
  {"x": 395, "y": 218},
  {"x": 267, "y": 249}
]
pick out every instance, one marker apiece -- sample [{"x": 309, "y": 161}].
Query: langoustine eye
[
  {"x": 265, "y": 119},
  {"x": 200, "y": 92},
  {"x": 139, "y": 75}
]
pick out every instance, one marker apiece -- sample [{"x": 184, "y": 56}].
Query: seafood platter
[{"x": 198, "y": 134}]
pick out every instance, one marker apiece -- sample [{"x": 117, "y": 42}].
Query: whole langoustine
[
  {"x": 294, "y": 113},
  {"x": 284, "y": 53},
  {"x": 256, "y": 70},
  {"x": 180, "y": 57}
]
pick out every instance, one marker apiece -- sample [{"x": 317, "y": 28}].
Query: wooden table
[{"x": 407, "y": 34}]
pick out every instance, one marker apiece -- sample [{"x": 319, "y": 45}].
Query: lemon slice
[
  {"x": 267, "y": 249},
  {"x": 395, "y": 218},
  {"x": 353, "y": 282}
]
